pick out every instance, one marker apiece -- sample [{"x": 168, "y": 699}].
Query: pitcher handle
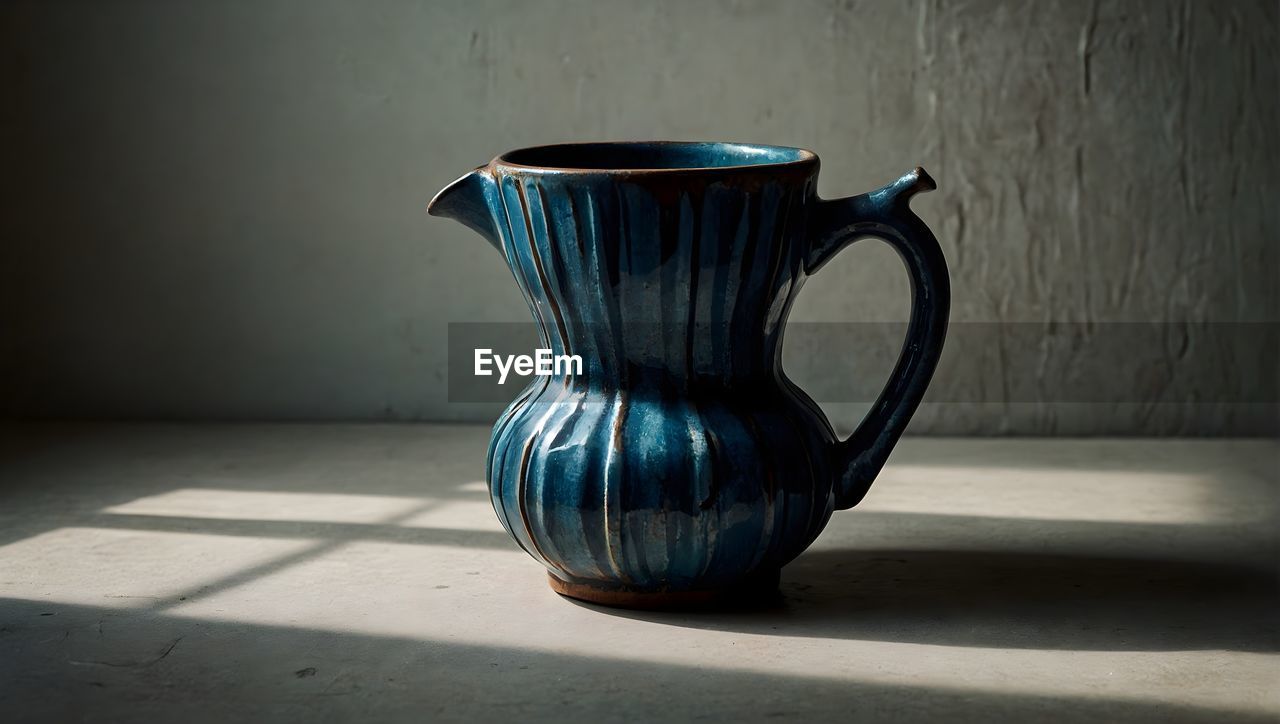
[{"x": 885, "y": 214}]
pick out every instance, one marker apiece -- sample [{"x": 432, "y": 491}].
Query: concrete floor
[{"x": 207, "y": 573}]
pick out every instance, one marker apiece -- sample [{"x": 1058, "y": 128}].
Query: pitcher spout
[{"x": 470, "y": 200}]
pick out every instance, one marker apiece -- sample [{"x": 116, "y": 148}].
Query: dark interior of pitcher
[{"x": 656, "y": 155}]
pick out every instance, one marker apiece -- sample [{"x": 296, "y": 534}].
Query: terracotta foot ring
[{"x": 757, "y": 588}]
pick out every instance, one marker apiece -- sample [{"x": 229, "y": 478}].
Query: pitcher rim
[{"x": 801, "y": 157}]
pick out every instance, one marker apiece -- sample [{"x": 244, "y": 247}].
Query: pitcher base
[{"x": 758, "y": 588}]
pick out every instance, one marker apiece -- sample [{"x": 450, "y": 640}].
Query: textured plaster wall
[{"x": 215, "y": 210}]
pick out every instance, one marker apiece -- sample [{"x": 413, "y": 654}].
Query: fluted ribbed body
[{"x": 682, "y": 457}]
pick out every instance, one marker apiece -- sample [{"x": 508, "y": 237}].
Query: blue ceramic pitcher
[{"x": 682, "y": 465}]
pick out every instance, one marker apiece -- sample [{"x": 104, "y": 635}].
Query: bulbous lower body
[{"x": 630, "y": 494}]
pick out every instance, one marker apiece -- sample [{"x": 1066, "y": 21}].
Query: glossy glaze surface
[{"x": 682, "y": 458}]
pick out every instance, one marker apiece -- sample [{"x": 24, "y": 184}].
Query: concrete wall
[{"x": 215, "y": 210}]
